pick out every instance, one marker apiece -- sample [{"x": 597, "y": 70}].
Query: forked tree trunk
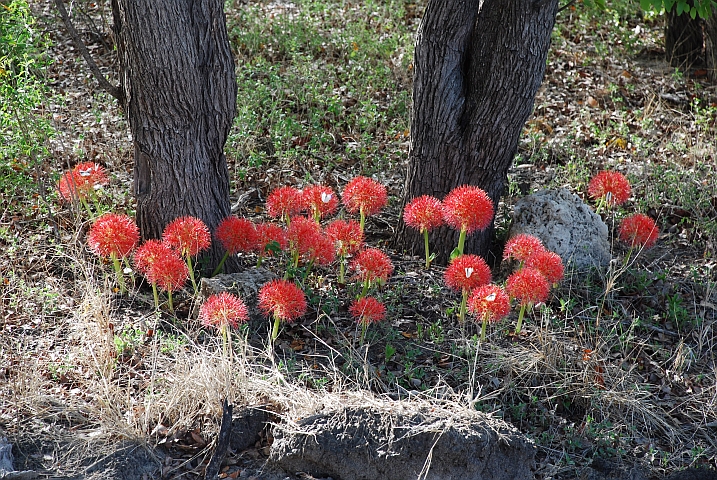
[
  {"x": 684, "y": 39},
  {"x": 178, "y": 77},
  {"x": 477, "y": 71}
]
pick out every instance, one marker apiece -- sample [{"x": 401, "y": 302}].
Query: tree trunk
[
  {"x": 683, "y": 39},
  {"x": 177, "y": 74},
  {"x": 711, "y": 45},
  {"x": 477, "y": 70}
]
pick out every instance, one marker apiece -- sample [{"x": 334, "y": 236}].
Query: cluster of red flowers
[
  {"x": 613, "y": 188},
  {"x": 80, "y": 182}
]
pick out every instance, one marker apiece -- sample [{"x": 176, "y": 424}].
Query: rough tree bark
[
  {"x": 178, "y": 79},
  {"x": 477, "y": 71},
  {"x": 684, "y": 40}
]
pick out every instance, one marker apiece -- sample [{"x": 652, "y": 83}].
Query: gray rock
[
  {"x": 246, "y": 428},
  {"x": 245, "y": 284},
  {"x": 566, "y": 225},
  {"x": 362, "y": 443},
  {"x": 129, "y": 461}
]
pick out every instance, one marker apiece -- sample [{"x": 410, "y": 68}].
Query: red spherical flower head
[
  {"x": 528, "y": 286},
  {"x": 81, "y": 180},
  {"x": 521, "y": 247},
  {"x": 364, "y": 193},
  {"x": 267, "y": 233},
  {"x": 303, "y": 235},
  {"x": 489, "y": 302},
  {"x": 283, "y": 299},
  {"x": 320, "y": 201},
  {"x": 113, "y": 234},
  {"x": 367, "y": 310},
  {"x": 613, "y": 186},
  {"x": 423, "y": 213},
  {"x": 148, "y": 253},
  {"x": 187, "y": 235},
  {"x": 468, "y": 208},
  {"x": 169, "y": 272},
  {"x": 372, "y": 264},
  {"x": 549, "y": 264},
  {"x": 346, "y": 235},
  {"x": 223, "y": 309},
  {"x": 638, "y": 231},
  {"x": 284, "y": 202},
  {"x": 322, "y": 251},
  {"x": 467, "y": 272},
  {"x": 236, "y": 234}
]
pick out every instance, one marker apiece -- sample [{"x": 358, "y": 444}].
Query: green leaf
[{"x": 455, "y": 253}]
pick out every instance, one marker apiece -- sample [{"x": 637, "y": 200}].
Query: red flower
[
  {"x": 367, "y": 310},
  {"x": 187, "y": 235},
  {"x": 169, "y": 272},
  {"x": 528, "y": 286},
  {"x": 489, "y": 302},
  {"x": 364, "y": 194},
  {"x": 638, "y": 230},
  {"x": 236, "y": 234},
  {"x": 223, "y": 309},
  {"x": 548, "y": 263},
  {"x": 423, "y": 213},
  {"x": 303, "y": 235},
  {"x": 113, "y": 234},
  {"x": 372, "y": 264},
  {"x": 467, "y": 272},
  {"x": 148, "y": 253},
  {"x": 320, "y": 201},
  {"x": 521, "y": 247},
  {"x": 267, "y": 233},
  {"x": 468, "y": 208},
  {"x": 81, "y": 180},
  {"x": 347, "y": 236},
  {"x": 322, "y": 251},
  {"x": 613, "y": 186},
  {"x": 283, "y": 299},
  {"x": 284, "y": 202}
]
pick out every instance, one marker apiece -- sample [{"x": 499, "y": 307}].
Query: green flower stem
[
  {"x": 464, "y": 302},
  {"x": 275, "y": 330},
  {"x": 364, "y": 325},
  {"x": 342, "y": 270},
  {"x": 226, "y": 341},
  {"x": 191, "y": 274},
  {"x": 221, "y": 264},
  {"x": 118, "y": 271},
  {"x": 462, "y": 241},
  {"x": 366, "y": 285},
  {"x": 169, "y": 295},
  {"x": 483, "y": 328},
  {"x": 362, "y": 220},
  {"x": 520, "y": 318},
  {"x": 425, "y": 243},
  {"x": 84, "y": 203},
  {"x": 258, "y": 262},
  {"x": 156, "y": 296}
]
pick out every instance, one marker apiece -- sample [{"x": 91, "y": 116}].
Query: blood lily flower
[
  {"x": 364, "y": 196},
  {"x": 304, "y": 235},
  {"x": 222, "y": 311},
  {"x": 320, "y": 201},
  {"x": 367, "y": 310},
  {"x": 189, "y": 236},
  {"x": 638, "y": 230},
  {"x": 283, "y": 300},
  {"x": 284, "y": 203},
  {"x": 170, "y": 273},
  {"x": 146, "y": 259},
  {"x": 424, "y": 213},
  {"x": 609, "y": 189},
  {"x": 521, "y": 247},
  {"x": 489, "y": 303},
  {"x": 549, "y": 264},
  {"x": 467, "y": 208},
  {"x": 114, "y": 236},
  {"x": 236, "y": 235},
  {"x": 270, "y": 238},
  {"x": 81, "y": 183},
  {"x": 348, "y": 239},
  {"x": 371, "y": 265},
  {"x": 465, "y": 273},
  {"x": 529, "y": 287}
]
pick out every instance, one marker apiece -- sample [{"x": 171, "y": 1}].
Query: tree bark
[
  {"x": 477, "y": 71},
  {"x": 178, "y": 79},
  {"x": 684, "y": 39},
  {"x": 710, "y": 33}
]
